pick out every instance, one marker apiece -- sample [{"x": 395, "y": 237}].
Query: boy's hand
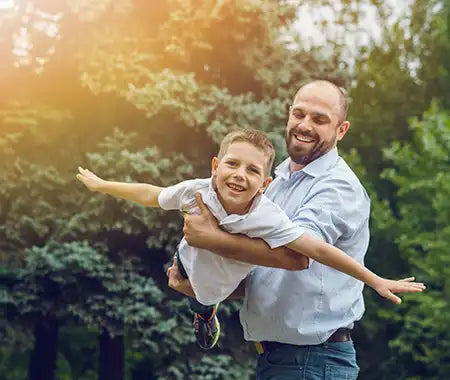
[
  {"x": 177, "y": 282},
  {"x": 387, "y": 288},
  {"x": 201, "y": 230},
  {"x": 89, "y": 179}
]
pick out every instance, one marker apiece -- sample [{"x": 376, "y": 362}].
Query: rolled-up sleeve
[
  {"x": 333, "y": 208},
  {"x": 175, "y": 197}
]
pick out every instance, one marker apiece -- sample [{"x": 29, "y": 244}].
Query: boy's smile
[{"x": 239, "y": 176}]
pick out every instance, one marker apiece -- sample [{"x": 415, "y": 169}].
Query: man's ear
[
  {"x": 266, "y": 183},
  {"x": 342, "y": 129},
  {"x": 214, "y": 165}
]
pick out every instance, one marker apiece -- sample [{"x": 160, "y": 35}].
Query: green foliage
[
  {"x": 219, "y": 367},
  {"x": 13, "y": 362},
  {"x": 144, "y": 91},
  {"x": 422, "y": 177},
  {"x": 397, "y": 78},
  {"x": 414, "y": 337},
  {"x": 77, "y": 347}
]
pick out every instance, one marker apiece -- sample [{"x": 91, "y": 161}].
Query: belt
[{"x": 340, "y": 335}]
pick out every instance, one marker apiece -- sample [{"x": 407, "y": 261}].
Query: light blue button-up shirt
[{"x": 327, "y": 200}]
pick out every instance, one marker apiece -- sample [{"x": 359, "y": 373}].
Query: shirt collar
[
  {"x": 213, "y": 203},
  {"x": 314, "y": 168}
]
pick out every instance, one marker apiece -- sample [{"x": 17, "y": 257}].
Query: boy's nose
[{"x": 239, "y": 173}]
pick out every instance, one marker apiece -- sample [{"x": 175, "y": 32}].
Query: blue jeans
[{"x": 328, "y": 361}]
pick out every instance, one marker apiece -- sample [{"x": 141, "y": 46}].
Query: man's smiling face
[{"x": 315, "y": 122}]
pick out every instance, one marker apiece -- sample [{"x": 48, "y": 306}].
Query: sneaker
[{"x": 207, "y": 330}]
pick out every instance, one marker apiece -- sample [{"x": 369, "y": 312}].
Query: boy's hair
[{"x": 254, "y": 137}]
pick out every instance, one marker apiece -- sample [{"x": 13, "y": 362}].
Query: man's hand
[
  {"x": 177, "y": 282},
  {"x": 89, "y": 179},
  {"x": 386, "y": 288},
  {"x": 201, "y": 231}
]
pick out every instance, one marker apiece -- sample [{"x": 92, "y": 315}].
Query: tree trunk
[
  {"x": 111, "y": 357},
  {"x": 42, "y": 363}
]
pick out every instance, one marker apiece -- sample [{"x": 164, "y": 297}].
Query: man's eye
[
  {"x": 231, "y": 163},
  {"x": 298, "y": 114},
  {"x": 320, "y": 121}
]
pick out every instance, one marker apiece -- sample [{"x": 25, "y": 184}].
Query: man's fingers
[
  {"x": 200, "y": 204},
  {"x": 173, "y": 279}
]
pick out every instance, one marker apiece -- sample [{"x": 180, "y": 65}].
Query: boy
[{"x": 234, "y": 194}]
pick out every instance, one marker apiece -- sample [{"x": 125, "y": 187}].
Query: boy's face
[{"x": 239, "y": 176}]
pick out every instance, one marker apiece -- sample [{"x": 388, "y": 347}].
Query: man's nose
[{"x": 306, "y": 123}]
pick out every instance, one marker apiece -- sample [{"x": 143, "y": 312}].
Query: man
[{"x": 302, "y": 319}]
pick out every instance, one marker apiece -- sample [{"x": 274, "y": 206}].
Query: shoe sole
[{"x": 217, "y": 323}]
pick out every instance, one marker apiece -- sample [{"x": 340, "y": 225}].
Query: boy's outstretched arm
[
  {"x": 329, "y": 255},
  {"x": 202, "y": 231},
  {"x": 141, "y": 193}
]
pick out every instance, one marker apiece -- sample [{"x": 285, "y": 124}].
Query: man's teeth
[
  {"x": 303, "y": 139},
  {"x": 235, "y": 187}
]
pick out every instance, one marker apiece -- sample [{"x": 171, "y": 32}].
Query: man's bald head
[
  {"x": 316, "y": 121},
  {"x": 342, "y": 97}
]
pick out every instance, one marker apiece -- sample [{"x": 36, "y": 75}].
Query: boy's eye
[{"x": 254, "y": 170}]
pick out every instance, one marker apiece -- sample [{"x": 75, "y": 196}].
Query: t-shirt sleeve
[
  {"x": 273, "y": 226},
  {"x": 335, "y": 208},
  {"x": 177, "y": 197}
]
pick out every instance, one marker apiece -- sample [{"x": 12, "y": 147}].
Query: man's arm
[
  {"x": 141, "y": 193},
  {"x": 203, "y": 231}
]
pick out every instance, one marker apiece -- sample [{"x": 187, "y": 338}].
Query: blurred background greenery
[{"x": 143, "y": 90}]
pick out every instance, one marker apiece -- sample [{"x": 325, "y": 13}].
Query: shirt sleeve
[
  {"x": 177, "y": 197},
  {"x": 332, "y": 209},
  {"x": 273, "y": 226}
]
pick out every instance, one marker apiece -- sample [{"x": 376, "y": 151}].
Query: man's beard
[{"x": 305, "y": 156}]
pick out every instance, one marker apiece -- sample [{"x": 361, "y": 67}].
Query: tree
[
  {"x": 143, "y": 91},
  {"x": 87, "y": 258},
  {"x": 396, "y": 78},
  {"x": 421, "y": 174}
]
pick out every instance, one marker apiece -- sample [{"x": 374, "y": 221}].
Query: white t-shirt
[{"x": 214, "y": 278}]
